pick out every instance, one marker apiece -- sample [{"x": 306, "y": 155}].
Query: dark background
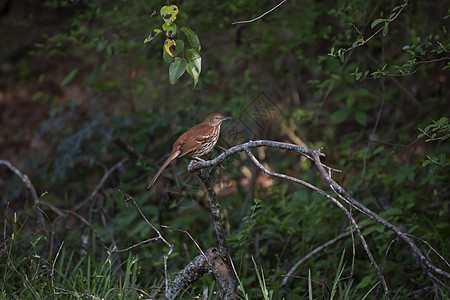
[{"x": 78, "y": 85}]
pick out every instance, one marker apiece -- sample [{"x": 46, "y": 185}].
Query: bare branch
[
  {"x": 228, "y": 286},
  {"x": 349, "y": 215},
  {"x": 101, "y": 183},
  {"x": 212, "y": 261},
  {"x": 427, "y": 266},
  {"x": 193, "y": 167},
  {"x": 190, "y": 236},
  {"x": 257, "y": 18},
  {"x": 26, "y": 180},
  {"x": 127, "y": 197},
  {"x": 294, "y": 268}
]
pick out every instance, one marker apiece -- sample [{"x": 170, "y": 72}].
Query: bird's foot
[{"x": 222, "y": 148}]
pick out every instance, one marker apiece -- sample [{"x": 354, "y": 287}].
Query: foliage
[
  {"x": 172, "y": 48},
  {"x": 92, "y": 85}
]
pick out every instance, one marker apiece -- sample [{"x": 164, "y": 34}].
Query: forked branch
[{"x": 429, "y": 269}]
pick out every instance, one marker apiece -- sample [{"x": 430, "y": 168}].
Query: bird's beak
[{"x": 227, "y": 118}]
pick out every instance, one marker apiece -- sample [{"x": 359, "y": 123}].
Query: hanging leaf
[
  {"x": 192, "y": 38},
  {"x": 179, "y": 47},
  {"x": 385, "y": 29},
  {"x": 195, "y": 59},
  {"x": 169, "y": 46},
  {"x": 152, "y": 35},
  {"x": 169, "y": 14},
  {"x": 194, "y": 72},
  {"x": 170, "y": 31},
  {"x": 176, "y": 69}
]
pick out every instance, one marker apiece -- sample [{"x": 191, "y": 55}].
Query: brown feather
[
  {"x": 196, "y": 142},
  {"x": 172, "y": 156}
]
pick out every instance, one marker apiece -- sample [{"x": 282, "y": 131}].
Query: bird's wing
[{"x": 192, "y": 138}]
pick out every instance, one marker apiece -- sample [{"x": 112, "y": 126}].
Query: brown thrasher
[{"x": 196, "y": 142}]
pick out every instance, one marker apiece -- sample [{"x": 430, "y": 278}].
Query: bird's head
[{"x": 215, "y": 119}]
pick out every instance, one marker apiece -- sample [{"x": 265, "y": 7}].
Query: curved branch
[
  {"x": 309, "y": 153},
  {"x": 291, "y": 272},
  {"x": 257, "y": 18},
  {"x": 26, "y": 180},
  {"x": 426, "y": 264},
  {"x": 339, "y": 204}
]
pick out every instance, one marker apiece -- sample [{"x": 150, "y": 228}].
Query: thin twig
[
  {"x": 257, "y": 18},
  {"x": 294, "y": 268},
  {"x": 432, "y": 249},
  {"x": 127, "y": 197},
  {"x": 53, "y": 268},
  {"x": 24, "y": 278},
  {"x": 190, "y": 236},
  {"x": 26, "y": 180},
  {"x": 101, "y": 183},
  {"x": 376, "y": 32},
  {"x": 136, "y": 245}
]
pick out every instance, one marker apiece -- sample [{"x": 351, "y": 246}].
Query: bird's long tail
[{"x": 163, "y": 167}]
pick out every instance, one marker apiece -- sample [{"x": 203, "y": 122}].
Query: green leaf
[
  {"x": 194, "y": 72},
  {"x": 370, "y": 229},
  {"x": 192, "y": 38},
  {"x": 341, "y": 54},
  {"x": 357, "y": 42},
  {"x": 195, "y": 58},
  {"x": 152, "y": 35},
  {"x": 69, "y": 77},
  {"x": 176, "y": 69},
  {"x": 340, "y": 116},
  {"x": 179, "y": 47},
  {"x": 169, "y": 14},
  {"x": 361, "y": 117},
  {"x": 392, "y": 212},
  {"x": 385, "y": 29},
  {"x": 170, "y": 31},
  {"x": 447, "y": 66},
  {"x": 169, "y": 46},
  {"x": 194, "y": 66},
  {"x": 350, "y": 100},
  {"x": 365, "y": 282},
  {"x": 376, "y": 22}
]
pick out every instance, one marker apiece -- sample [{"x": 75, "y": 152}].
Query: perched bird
[{"x": 196, "y": 142}]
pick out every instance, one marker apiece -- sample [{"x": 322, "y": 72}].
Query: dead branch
[
  {"x": 228, "y": 287},
  {"x": 212, "y": 261},
  {"x": 127, "y": 197},
  {"x": 257, "y": 18},
  {"x": 428, "y": 267},
  {"x": 349, "y": 215},
  {"x": 291, "y": 272},
  {"x": 26, "y": 180}
]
